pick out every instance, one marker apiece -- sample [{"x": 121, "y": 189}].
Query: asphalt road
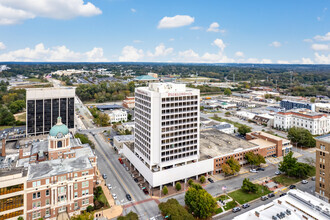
[{"x": 122, "y": 182}]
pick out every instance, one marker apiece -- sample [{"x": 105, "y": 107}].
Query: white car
[
  {"x": 253, "y": 171},
  {"x": 114, "y": 196},
  {"x": 109, "y": 186},
  {"x": 304, "y": 181}
]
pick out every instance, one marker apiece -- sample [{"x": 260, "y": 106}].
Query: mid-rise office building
[
  {"x": 315, "y": 123},
  {"x": 322, "y": 179},
  {"x": 45, "y": 105},
  {"x": 166, "y": 124},
  {"x": 288, "y": 105},
  {"x": 49, "y": 179}
]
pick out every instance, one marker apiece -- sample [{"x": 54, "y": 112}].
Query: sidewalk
[{"x": 114, "y": 210}]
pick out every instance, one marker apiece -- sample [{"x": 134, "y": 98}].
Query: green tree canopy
[
  {"x": 248, "y": 186},
  {"x": 254, "y": 159},
  {"x": 243, "y": 129},
  {"x": 199, "y": 201},
  {"x": 227, "y": 92},
  {"x": 292, "y": 167},
  {"x": 301, "y": 136},
  {"x": 165, "y": 190},
  {"x": 174, "y": 210},
  {"x": 234, "y": 164},
  {"x": 130, "y": 216}
]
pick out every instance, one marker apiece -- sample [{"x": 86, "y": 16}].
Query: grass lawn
[
  {"x": 4, "y": 127},
  {"x": 242, "y": 197},
  {"x": 230, "y": 205},
  {"x": 103, "y": 199},
  {"x": 236, "y": 124},
  {"x": 287, "y": 181},
  {"x": 219, "y": 210},
  {"x": 33, "y": 80},
  {"x": 222, "y": 197}
]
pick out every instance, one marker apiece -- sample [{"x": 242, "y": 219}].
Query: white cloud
[
  {"x": 131, "y": 54},
  {"x": 160, "y": 50},
  {"x": 176, "y": 21},
  {"x": 54, "y": 54},
  {"x": 214, "y": 27},
  {"x": 171, "y": 39},
  {"x": 320, "y": 47},
  {"x": 189, "y": 55},
  {"x": 137, "y": 41},
  {"x": 283, "y": 62},
  {"x": 306, "y": 61},
  {"x": 322, "y": 59},
  {"x": 239, "y": 54},
  {"x": 326, "y": 37},
  {"x": 219, "y": 43},
  {"x": 275, "y": 44},
  {"x": 2, "y": 46},
  {"x": 133, "y": 10},
  {"x": 196, "y": 28},
  {"x": 16, "y": 11}
]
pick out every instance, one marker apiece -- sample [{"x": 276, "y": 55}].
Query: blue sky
[{"x": 212, "y": 31}]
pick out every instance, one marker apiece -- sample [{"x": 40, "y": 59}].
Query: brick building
[
  {"x": 51, "y": 178},
  {"x": 269, "y": 144},
  {"x": 322, "y": 179}
]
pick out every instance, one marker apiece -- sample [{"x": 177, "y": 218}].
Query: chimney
[
  {"x": 3, "y": 152},
  {"x": 21, "y": 153}
]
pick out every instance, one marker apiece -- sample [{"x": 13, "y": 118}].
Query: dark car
[
  {"x": 144, "y": 189},
  {"x": 283, "y": 194},
  {"x": 136, "y": 180},
  {"x": 128, "y": 196},
  {"x": 104, "y": 176},
  {"x": 263, "y": 198},
  {"x": 211, "y": 180},
  {"x": 246, "y": 205},
  {"x": 270, "y": 195},
  {"x": 236, "y": 209},
  {"x": 292, "y": 186},
  {"x": 260, "y": 169}
]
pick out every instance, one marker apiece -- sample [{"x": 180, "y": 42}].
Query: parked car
[
  {"x": 270, "y": 195},
  {"x": 128, "y": 196},
  {"x": 104, "y": 176},
  {"x": 120, "y": 160},
  {"x": 263, "y": 198},
  {"x": 136, "y": 180},
  {"x": 253, "y": 171},
  {"x": 292, "y": 186},
  {"x": 277, "y": 172},
  {"x": 304, "y": 181},
  {"x": 144, "y": 189},
  {"x": 109, "y": 186},
  {"x": 211, "y": 180},
  {"x": 283, "y": 194},
  {"x": 246, "y": 205},
  {"x": 114, "y": 196},
  {"x": 236, "y": 209},
  {"x": 313, "y": 178},
  {"x": 260, "y": 169}
]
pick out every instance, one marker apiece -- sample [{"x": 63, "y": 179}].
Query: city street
[{"x": 122, "y": 182}]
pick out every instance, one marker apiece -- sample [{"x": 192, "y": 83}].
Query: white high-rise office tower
[{"x": 166, "y": 125}]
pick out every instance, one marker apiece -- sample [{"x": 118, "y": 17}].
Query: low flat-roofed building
[
  {"x": 225, "y": 127},
  {"x": 269, "y": 144},
  {"x": 245, "y": 115},
  {"x": 322, "y": 107},
  {"x": 129, "y": 102},
  {"x": 119, "y": 140},
  {"x": 295, "y": 205},
  {"x": 220, "y": 146},
  {"x": 264, "y": 119}
]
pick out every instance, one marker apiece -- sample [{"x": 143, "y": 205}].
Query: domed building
[{"x": 59, "y": 136}]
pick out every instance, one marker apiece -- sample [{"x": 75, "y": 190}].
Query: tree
[
  {"x": 227, "y": 92},
  {"x": 292, "y": 167},
  {"x": 178, "y": 186},
  {"x": 190, "y": 181},
  {"x": 234, "y": 164},
  {"x": 226, "y": 169},
  {"x": 129, "y": 117},
  {"x": 243, "y": 129},
  {"x": 90, "y": 208},
  {"x": 199, "y": 201},
  {"x": 288, "y": 163},
  {"x": 201, "y": 108},
  {"x": 312, "y": 100},
  {"x": 83, "y": 216},
  {"x": 165, "y": 190},
  {"x": 102, "y": 119},
  {"x": 174, "y": 210},
  {"x": 301, "y": 136},
  {"x": 254, "y": 159},
  {"x": 248, "y": 186},
  {"x": 277, "y": 98},
  {"x": 130, "y": 216},
  {"x": 20, "y": 218},
  {"x": 227, "y": 113},
  {"x": 6, "y": 117},
  {"x": 16, "y": 106},
  {"x": 202, "y": 179}
]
